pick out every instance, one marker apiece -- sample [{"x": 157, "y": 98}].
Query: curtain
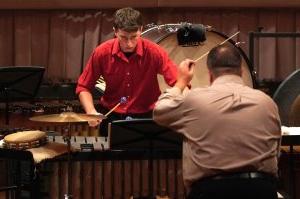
[{"x": 62, "y": 40}]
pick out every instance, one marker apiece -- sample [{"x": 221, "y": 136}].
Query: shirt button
[
  {"x": 128, "y": 85},
  {"x": 128, "y": 73}
]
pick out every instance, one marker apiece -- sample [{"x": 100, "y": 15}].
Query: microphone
[
  {"x": 123, "y": 100},
  {"x": 191, "y": 34}
]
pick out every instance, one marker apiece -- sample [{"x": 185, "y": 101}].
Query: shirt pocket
[{"x": 113, "y": 79}]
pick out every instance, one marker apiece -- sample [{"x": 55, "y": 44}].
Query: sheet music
[{"x": 290, "y": 130}]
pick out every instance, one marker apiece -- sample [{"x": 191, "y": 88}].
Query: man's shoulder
[
  {"x": 148, "y": 44},
  {"x": 255, "y": 92},
  {"x": 106, "y": 44},
  {"x": 262, "y": 97},
  {"x": 105, "y": 47},
  {"x": 152, "y": 49},
  {"x": 260, "y": 93}
]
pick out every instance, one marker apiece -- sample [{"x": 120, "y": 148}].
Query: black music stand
[
  {"x": 143, "y": 134},
  {"x": 19, "y": 83}
]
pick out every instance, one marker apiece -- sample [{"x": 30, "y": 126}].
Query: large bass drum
[{"x": 165, "y": 36}]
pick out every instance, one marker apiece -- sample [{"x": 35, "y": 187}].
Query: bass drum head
[{"x": 165, "y": 36}]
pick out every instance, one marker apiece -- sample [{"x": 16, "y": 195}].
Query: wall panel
[{"x": 62, "y": 40}]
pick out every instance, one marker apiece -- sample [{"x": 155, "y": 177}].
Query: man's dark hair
[
  {"x": 127, "y": 19},
  {"x": 224, "y": 59}
]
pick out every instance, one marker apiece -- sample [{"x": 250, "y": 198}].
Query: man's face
[{"x": 128, "y": 40}]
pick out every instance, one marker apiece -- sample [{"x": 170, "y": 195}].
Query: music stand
[
  {"x": 143, "y": 134},
  {"x": 19, "y": 83}
]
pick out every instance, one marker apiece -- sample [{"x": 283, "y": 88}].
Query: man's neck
[{"x": 128, "y": 54}]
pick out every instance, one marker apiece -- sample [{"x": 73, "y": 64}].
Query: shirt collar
[
  {"x": 229, "y": 79},
  {"x": 139, "y": 47}
]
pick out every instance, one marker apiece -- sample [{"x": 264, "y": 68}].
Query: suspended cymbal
[{"x": 66, "y": 117}]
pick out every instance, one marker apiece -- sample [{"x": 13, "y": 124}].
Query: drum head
[
  {"x": 25, "y": 139},
  {"x": 167, "y": 39}
]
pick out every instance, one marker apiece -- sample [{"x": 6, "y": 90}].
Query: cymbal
[{"x": 67, "y": 117}]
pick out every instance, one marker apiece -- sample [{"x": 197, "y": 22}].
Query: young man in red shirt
[{"x": 129, "y": 65}]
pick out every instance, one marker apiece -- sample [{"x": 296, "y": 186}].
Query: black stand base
[{"x": 143, "y": 135}]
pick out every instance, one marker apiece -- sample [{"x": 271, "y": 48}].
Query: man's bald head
[{"x": 224, "y": 59}]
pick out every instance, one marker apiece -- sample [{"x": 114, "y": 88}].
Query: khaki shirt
[{"x": 227, "y": 127}]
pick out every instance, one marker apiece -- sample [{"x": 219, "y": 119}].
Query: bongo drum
[
  {"x": 166, "y": 37},
  {"x": 25, "y": 140}
]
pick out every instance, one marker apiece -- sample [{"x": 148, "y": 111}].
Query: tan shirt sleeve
[{"x": 168, "y": 109}]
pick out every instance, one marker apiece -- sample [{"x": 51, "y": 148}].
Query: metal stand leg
[{"x": 68, "y": 195}]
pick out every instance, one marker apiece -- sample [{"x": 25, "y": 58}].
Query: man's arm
[
  {"x": 185, "y": 74},
  {"x": 167, "y": 110},
  {"x": 86, "y": 82},
  {"x": 87, "y": 102},
  {"x": 166, "y": 67}
]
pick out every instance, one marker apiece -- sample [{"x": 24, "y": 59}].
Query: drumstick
[
  {"x": 199, "y": 58},
  {"x": 111, "y": 110},
  {"x": 122, "y": 101}
]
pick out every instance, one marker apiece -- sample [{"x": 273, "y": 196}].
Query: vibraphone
[
  {"x": 96, "y": 171},
  {"x": 82, "y": 143},
  {"x": 114, "y": 174}
]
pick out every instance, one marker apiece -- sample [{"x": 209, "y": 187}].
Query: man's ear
[
  {"x": 115, "y": 31},
  {"x": 211, "y": 77}
]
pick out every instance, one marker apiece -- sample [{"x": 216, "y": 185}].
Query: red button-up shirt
[{"x": 134, "y": 78}]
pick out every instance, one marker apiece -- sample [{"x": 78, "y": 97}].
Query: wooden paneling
[
  {"x": 228, "y": 3},
  {"x": 100, "y": 4},
  {"x": 74, "y": 4}
]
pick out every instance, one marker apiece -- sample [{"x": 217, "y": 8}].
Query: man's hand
[
  {"x": 86, "y": 101},
  {"x": 185, "y": 73},
  {"x": 94, "y": 123}
]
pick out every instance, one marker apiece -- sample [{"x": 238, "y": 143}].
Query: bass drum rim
[{"x": 165, "y": 33}]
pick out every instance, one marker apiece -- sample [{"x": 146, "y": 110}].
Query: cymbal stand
[{"x": 68, "y": 195}]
